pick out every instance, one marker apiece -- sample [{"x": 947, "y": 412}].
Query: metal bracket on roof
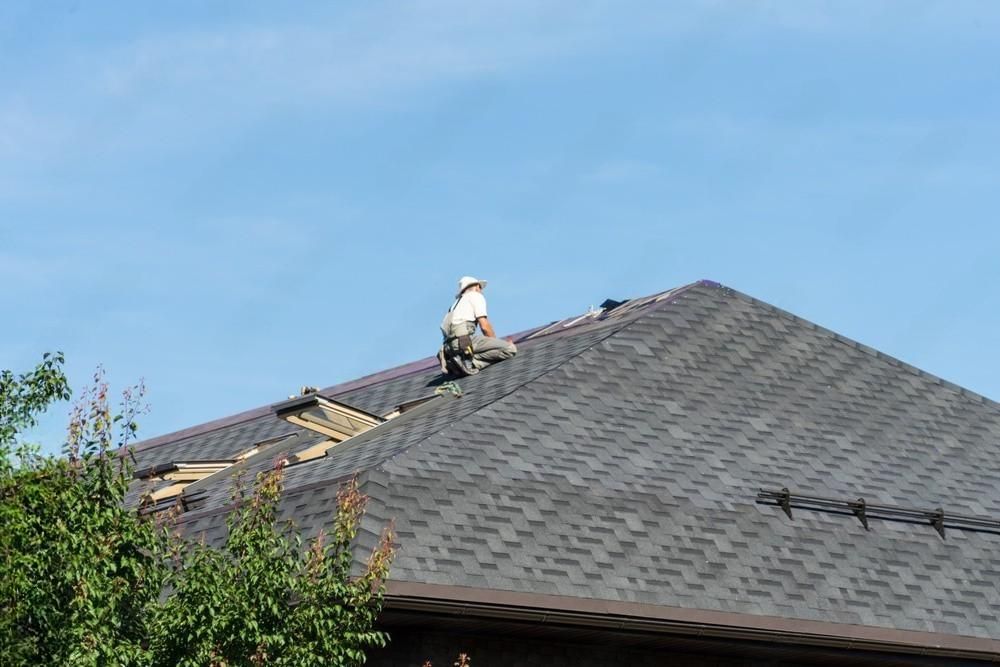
[
  {"x": 865, "y": 512},
  {"x": 860, "y": 509},
  {"x": 937, "y": 520},
  {"x": 785, "y": 501}
]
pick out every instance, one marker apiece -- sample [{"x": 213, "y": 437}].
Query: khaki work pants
[{"x": 486, "y": 350}]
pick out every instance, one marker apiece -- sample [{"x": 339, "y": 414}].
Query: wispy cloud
[
  {"x": 354, "y": 58},
  {"x": 174, "y": 89}
]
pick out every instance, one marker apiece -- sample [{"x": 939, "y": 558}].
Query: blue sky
[{"x": 233, "y": 199}]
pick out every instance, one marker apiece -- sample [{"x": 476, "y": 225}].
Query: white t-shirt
[{"x": 470, "y": 307}]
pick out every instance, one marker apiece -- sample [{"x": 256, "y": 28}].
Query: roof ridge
[
  {"x": 404, "y": 370},
  {"x": 613, "y": 331},
  {"x": 497, "y": 399},
  {"x": 867, "y": 349},
  {"x": 333, "y": 391},
  {"x": 379, "y": 377},
  {"x": 530, "y": 335},
  {"x": 202, "y": 429},
  {"x": 673, "y": 297},
  {"x": 245, "y": 416}
]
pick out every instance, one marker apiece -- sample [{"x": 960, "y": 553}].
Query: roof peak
[{"x": 572, "y": 324}]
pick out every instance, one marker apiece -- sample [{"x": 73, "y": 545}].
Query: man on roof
[{"x": 465, "y": 352}]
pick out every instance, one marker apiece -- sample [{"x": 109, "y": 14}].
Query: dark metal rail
[{"x": 865, "y": 512}]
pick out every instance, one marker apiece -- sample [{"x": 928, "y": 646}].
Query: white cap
[{"x": 466, "y": 282}]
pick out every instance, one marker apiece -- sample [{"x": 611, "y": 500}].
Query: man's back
[{"x": 470, "y": 307}]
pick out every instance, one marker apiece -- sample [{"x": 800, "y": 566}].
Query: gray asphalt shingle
[{"x": 620, "y": 460}]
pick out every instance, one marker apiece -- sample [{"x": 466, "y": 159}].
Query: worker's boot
[
  {"x": 459, "y": 367},
  {"x": 469, "y": 366},
  {"x": 466, "y": 355}
]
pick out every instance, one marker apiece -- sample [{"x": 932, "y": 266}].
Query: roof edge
[
  {"x": 568, "y": 610},
  {"x": 201, "y": 429},
  {"x": 392, "y": 373},
  {"x": 867, "y": 349}
]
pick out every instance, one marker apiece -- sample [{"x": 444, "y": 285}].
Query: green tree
[
  {"x": 266, "y": 600},
  {"x": 81, "y": 571},
  {"x": 23, "y": 397},
  {"x": 86, "y": 579}
]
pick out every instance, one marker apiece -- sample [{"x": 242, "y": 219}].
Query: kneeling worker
[{"x": 465, "y": 352}]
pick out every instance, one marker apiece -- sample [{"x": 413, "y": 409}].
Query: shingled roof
[{"x": 612, "y": 468}]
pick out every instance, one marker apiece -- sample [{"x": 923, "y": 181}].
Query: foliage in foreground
[
  {"x": 263, "y": 600},
  {"x": 87, "y": 580},
  {"x": 80, "y": 571}
]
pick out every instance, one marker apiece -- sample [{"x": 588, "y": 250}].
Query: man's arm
[{"x": 484, "y": 324}]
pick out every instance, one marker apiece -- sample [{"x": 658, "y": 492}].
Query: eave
[{"x": 884, "y": 644}]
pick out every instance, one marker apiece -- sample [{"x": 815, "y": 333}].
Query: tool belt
[
  {"x": 456, "y": 352},
  {"x": 463, "y": 344},
  {"x": 456, "y": 356}
]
